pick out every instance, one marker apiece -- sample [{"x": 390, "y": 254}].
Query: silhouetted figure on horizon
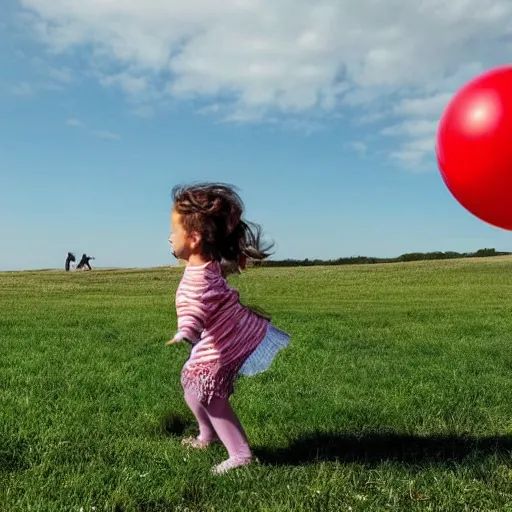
[
  {"x": 69, "y": 259},
  {"x": 84, "y": 262}
]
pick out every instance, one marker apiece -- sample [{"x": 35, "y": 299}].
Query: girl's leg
[
  {"x": 207, "y": 433},
  {"x": 230, "y": 432}
]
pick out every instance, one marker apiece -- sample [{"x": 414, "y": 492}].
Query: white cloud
[
  {"x": 397, "y": 61},
  {"x": 101, "y": 133},
  {"x": 23, "y": 89},
  {"x": 144, "y": 111},
  {"x": 106, "y": 134},
  {"x": 214, "y": 108},
  {"x": 133, "y": 85},
  {"x": 358, "y": 146},
  {"x": 75, "y": 123},
  {"x": 412, "y": 152},
  {"x": 45, "y": 77},
  {"x": 62, "y": 75},
  {"x": 32, "y": 89},
  {"x": 414, "y": 127},
  {"x": 428, "y": 106}
]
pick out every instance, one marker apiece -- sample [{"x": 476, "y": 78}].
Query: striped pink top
[{"x": 211, "y": 317}]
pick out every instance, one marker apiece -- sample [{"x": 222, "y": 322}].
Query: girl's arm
[{"x": 192, "y": 311}]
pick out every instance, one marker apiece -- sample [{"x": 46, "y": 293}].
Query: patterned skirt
[
  {"x": 210, "y": 380},
  {"x": 261, "y": 359}
]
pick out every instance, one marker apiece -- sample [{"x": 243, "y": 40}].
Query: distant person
[
  {"x": 228, "y": 339},
  {"x": 84, "y": 262},
  {"x": 69, "y": 259}
]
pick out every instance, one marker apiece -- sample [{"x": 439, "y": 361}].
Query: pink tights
[{"x": 218, "y": 421}]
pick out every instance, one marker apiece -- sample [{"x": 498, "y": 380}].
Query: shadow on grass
[
  {"x": 15, "y": 455},
  {"x": 148, "y": 506},
  {"x": 371, "y": 448},
  {"x": 11, "y": 461},
  {"x": 374, "y": 448},
  {"x": 177, "y": 424}
]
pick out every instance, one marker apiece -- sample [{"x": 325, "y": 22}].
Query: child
[{"x": 227, "y": 338}]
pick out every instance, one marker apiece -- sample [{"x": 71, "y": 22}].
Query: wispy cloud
[
  {"x": 43, "y": 76},
  {"x": 100, "y": 133},
  {"x": 214, "y": 108},
  {"x": 75, "y": 123},
  {"x": 266, "y": 60},
  {"x": 417, "y": 129},
  {"x": 33, "y": 89},
  {"x": 132, "y": 85},
  {"x": 358, "y": 146},
  {"x": 430, "y": 105},
  {"x": 106, "y": 134},
  {"x": 23, "y": 89},
  {"x": 144, "y": 111},
  {"x": 412, "y": 128},
  {"x": 61, "y": 75}
]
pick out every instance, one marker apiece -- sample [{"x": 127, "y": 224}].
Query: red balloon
[{"x": 474, "y": 147}]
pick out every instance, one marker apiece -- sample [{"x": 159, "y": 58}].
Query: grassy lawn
[{"x": 395, "y": 394}]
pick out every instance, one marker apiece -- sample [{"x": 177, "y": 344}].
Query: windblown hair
[{"x": 215, "y": 210}]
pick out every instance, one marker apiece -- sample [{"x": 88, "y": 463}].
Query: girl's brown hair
[{"x": 214, "y": 210}]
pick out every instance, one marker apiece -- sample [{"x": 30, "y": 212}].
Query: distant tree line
[{"x": 359, "y": 260}]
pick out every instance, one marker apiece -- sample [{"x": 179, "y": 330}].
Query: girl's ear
[{"x": 195, "y": 239}]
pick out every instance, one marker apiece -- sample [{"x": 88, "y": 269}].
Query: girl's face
[
  {"x": 178, "y": 238},
  {"x": 183, "y": 244}
]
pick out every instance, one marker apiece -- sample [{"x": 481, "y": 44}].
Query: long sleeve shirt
[{"x": 211, "y": 317}]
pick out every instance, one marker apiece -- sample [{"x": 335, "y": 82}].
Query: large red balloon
[{"x": 474, "y": 147}]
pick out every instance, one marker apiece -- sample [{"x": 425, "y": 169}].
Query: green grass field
[{"x": 395, "y": 394}]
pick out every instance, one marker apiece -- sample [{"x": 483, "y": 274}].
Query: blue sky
[{"x": 328, "y": 131}]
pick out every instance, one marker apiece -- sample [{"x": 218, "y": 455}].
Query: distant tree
[
  {"x": 485, "y": 252},
  {"x": 358, "y": 260}
]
